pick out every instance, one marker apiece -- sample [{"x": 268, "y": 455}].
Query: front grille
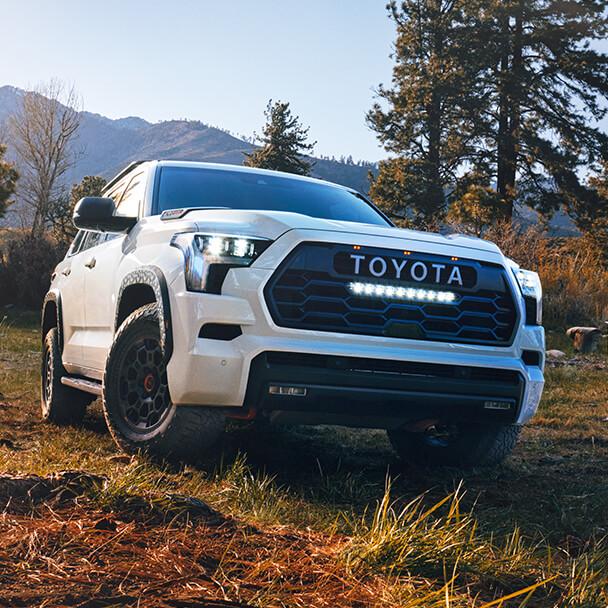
[{"x": 306, "y": 292}]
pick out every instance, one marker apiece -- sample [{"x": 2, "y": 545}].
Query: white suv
[{"x": 197, "y": 292}]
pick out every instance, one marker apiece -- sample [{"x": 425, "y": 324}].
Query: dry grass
[
  {"x": 307, "y": 516},
  {"x": 575, "y": 282}
]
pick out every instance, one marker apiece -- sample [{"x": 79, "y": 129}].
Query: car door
[
  {"x": 101, "y": 288},
  {"x": 71, "y": 273}
]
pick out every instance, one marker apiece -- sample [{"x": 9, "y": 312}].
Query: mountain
[{"x": 104, "y": 145}]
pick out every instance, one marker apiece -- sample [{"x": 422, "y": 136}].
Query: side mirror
[{"x": 97, "y": 213}]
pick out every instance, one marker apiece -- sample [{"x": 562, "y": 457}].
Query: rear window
[{"x": 197, "y": 187}]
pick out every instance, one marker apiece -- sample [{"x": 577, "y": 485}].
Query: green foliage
[
  {"x": 8, "y": 181},
  {"x": 427, "y": 118},
  {"x": 26, "y": 265},
  {"x": 476, "y": 206},
  {"x": 284, "y": 141},
  {"x": 546, "y": 89},
  {"x": 61, "y": 209},
  {"x": 510, "y": 90},
  {"x": 403, "y": 191}
]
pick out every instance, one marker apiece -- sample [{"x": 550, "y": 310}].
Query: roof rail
[{"x": 126, "y": 170}]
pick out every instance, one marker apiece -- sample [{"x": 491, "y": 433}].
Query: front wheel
[
  {"x": 467, "y": 445},
  {"x": 136, "y": 400}
]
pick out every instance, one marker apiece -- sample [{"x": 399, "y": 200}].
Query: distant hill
[{"x": 105, "y": 146}]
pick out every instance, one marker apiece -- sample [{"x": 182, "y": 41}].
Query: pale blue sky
[{"x": 218, "y": 62}]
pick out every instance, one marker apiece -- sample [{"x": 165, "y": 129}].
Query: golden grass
[{"x": 316, "y": 521}]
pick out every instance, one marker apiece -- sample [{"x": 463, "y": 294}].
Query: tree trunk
[{"x": 510, "y": 86}]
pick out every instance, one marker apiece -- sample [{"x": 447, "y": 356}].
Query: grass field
[{"x": 306, "y": 517}]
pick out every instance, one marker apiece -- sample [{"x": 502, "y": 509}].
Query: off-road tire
[
  {"x": 181, "y": 433},
  {"x": 59, "y": 404},
  {"x": 474, "y": 445}
]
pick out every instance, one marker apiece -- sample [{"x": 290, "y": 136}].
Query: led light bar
[{"x": 411, "y": 294}]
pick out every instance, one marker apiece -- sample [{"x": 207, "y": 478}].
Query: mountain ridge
[{"x": 105, "y": 145}]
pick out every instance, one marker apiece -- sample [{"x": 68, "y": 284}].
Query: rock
[
  {"x": 585, "y": 339},
  {"x": 555, "y": 354}
]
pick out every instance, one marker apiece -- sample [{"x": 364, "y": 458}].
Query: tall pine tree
[
  {"x": 510, "y": 91},
  {"x": 426, "y": 118},
  {"x": 284, "y": 142},
  {"x": 547, "y": 89}
]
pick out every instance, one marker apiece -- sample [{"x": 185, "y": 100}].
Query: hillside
[{"x": 105, "y": 145}]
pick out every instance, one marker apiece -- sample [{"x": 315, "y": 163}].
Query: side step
[{"x": 88, "y": 386}]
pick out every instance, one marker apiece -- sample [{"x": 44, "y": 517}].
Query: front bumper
[{"x": 229, "y": 373}]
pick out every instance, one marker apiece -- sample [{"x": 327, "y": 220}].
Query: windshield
[{"x": 197, "y": 187}]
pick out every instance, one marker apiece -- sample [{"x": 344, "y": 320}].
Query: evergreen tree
[
  {"x": 61, "y": 209},
  {"x": 508, "y": 90},
  {"x": 547, "y": 90},
  {"x": 8, "y": 181},
  {"x": 427, "y": 117},
  {"x": 284, "y": 142}
]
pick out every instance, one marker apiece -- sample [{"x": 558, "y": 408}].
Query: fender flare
[
  {"x": 55, "y": 297},
  {"x": 153, "y": 277}
]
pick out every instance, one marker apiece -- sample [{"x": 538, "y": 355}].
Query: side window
[
  {"x": 77, "y": 243},
  {"x": 92, "y": 239},
  {"x": 116, "y": 193},
  {"x": 132, "y": 198}
]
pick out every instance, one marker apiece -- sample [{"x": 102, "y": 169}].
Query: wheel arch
[
  {"x": 146, "y": 285},
  {"x": 51, "y": 316}
]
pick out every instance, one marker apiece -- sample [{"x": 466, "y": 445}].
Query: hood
[{"x": 272, "y": 224}]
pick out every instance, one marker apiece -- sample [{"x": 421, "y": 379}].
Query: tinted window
[
  {"x": 92, "y": 239},
  {"x": 116, "y": 193},
  {"x": 194, "y": 187},
  {"x": 132, "y": 197},
  {"x": 77, "y": 243}
]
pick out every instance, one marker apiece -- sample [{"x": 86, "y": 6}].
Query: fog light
[
  {"x": 497, "y": 405},
  {"x": 287, "y": 391}
]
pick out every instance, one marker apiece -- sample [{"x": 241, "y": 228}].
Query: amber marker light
[{"x": 356, "y": 247}]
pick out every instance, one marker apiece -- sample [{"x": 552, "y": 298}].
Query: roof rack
[{"x": 124, "y": 172}]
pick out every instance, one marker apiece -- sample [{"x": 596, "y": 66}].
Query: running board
[{"x": 88, "y": 386}]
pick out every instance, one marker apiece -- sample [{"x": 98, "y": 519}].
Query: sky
[{"x": 213, "y": 61}]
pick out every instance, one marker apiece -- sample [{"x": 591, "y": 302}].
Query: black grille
[{"x": 306, "y": 292}]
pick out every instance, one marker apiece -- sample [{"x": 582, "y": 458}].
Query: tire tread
[{"x": 192, "y": 431}]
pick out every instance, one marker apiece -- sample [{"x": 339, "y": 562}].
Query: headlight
[
  {"x": 531, "y": 289},
  {"x": 208, "y": 257}
]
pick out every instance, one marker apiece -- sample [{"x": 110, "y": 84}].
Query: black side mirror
[{"x": 97, "y": 213}]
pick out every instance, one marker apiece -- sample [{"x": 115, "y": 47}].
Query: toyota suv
[{"x": 197, "y": 292}]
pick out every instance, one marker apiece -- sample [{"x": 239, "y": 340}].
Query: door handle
[
  {"x": 91, "y": 263},
  {"x": 66, "y": 272}
]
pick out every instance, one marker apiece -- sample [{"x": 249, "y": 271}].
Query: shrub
[
  {"x": 574, "y": 277},
  {"x": 26, "y": 265}
]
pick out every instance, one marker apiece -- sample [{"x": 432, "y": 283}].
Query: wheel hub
[
  {"x": 143, "y": 389},
  {"x": 149, "y": 382}
]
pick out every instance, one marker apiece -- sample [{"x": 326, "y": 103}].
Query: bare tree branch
[{"x": 43, "y": 130}]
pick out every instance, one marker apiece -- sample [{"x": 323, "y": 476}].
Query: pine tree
[
  {"x": 427, "y": 117},
  {"x": 61, "y": 209},
  {"x": 547, "y": 90},
  {"x": 284, "y": 142},
  {"x": 8, "y": 181},
  {"x": 510, "y": 91}
]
